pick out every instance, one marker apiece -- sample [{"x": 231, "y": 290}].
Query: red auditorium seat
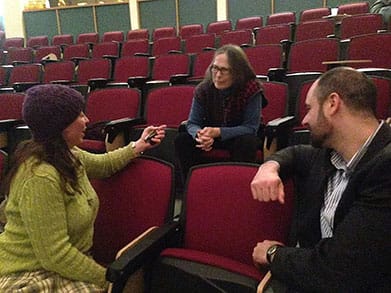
[
  {"x": 251, "y": 22},
  {"x": 136, "y": 34},
  {"x": 314, "y": 14},
  {"x": 185, "y": 31},
  {"x": 288, "y": 17},
  {"x": 219, "y": 27},
  {"x": 353, "y": 8}
]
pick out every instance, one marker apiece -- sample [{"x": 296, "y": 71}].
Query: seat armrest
[
  {"x": 76, "y": 60},
  {"x": 114, "y": 127},
  {"x": 143, "y": 251},
  {"x": 246, "y": 45},
  {"x": 112, "y": 58},
  {"x": 95, "y": 83},
  {"x": 61, "y": 81},
  {"x": 279, "y": 128},
  {"x": 19, "y": 62},
  {"x": 174, "y": 52},
  {"x": 179, "y": 78},
  {"x": 142, "y": 54},
  {"x": 277, "y": 74},
  {"x": 264, "y": 283},
  {"x": 137, "y": 81},
  {"x": 9, "y": 123},
  {"x": 44, "y": 61},
  {"x": 23, "y": 86}
]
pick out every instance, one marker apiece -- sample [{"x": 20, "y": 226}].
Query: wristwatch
[{"x": 271, "y": 251}]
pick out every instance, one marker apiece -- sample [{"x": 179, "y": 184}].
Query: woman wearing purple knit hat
[{"x": 51, "y": 204}]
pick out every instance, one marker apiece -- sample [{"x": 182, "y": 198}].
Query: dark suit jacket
[{"x": 358, "y": 256}]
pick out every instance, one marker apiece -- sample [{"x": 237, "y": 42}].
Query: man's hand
[{"x": 267, "y": 184}]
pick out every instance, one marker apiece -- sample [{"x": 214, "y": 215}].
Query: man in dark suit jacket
[{"x": 341, "y": 232}]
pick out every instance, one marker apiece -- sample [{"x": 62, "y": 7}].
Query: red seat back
[
  {"x": 281, "y": 18},
  {"x": 112, "y": 103},
  {"x": 131, "y": 47},
  {"x": 277, "y": 95},
  {"x": 142, "y": 33},
  {"x": 37, "y": 41},
  {"x": 363, "y": 47},
  {"x": 353, "y": 8},
  {"x": 361, "y": 24},
  {"x": 314, "y": 13},
  {"x": 116, "y": 36},
  {"x": 307, "y": 56},
  {"x": 167, "y": 65},
  {"x": 93, "y": 68},
  {"x": 59, "y": 71},
  {"x": 87, "y": 38},
  {"x": 273, "y": 34},
  {"x": 314, "y": 29},
  {"x": 103, "y": 49},
  {"x": 249, "y": 22},
  {"x": 11, "y": 106},
  {"x": 271, "y": 57},
  {"x": 165, "y": 45},
  {"x": 197, "y": 43},
  {"x": 42, "y": 52},
  {"x": 26, "y": 73},
  {"x": 169, "y": 105},
  {"x": 222, "y": 218},
  {"x": 185, "y": 31},
  {"x": 65, "y": 39},
  {"x": 219, "y": 27},
  {"x": 237, "y": 37},
  {"x": 163, "y": 32},
  {"x": 201, "y": 63},
  {"x": 130, "y": 203},
  {"x": 130, "y": 66}
]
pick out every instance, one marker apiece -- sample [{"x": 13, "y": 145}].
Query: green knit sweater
[{"x": 49, "y": 230}]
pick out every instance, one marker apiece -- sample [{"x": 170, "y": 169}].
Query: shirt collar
[{"x": 339, "y": 162}]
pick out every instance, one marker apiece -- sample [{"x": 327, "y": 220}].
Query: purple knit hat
[{"x": 48, "y": 109}]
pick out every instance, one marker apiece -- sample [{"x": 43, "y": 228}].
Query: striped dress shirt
[{"x": 337, "y": 183}]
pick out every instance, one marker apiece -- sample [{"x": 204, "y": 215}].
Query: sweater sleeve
[
  {"x": 105, "y": 165},
  {"x": 195, "y": 118},
  {"x": 251, "y": 120},
  {"x": 42, "y": 209}
]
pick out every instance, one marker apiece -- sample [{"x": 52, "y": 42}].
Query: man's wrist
[{"x": 271, "y": 251}]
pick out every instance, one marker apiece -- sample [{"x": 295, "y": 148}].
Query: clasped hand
[{"x": 205, "y": 137}]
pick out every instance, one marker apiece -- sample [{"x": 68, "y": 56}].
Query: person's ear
[{"x": 332, "y": 103}]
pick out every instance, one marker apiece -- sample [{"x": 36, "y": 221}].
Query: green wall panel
[
  {"x": 113, "y": 18},
  {"x": 244, "y": 8},
  {"x": 157, "y": 13},
  {"x": 200, "y": 11},
  {"x": 77, "y": 20},
  {"x": 39, "y": 23}
]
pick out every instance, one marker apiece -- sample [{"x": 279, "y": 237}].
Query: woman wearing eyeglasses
[{"x": 225, "y": 113}]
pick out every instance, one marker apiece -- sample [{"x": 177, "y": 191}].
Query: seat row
[
  {"x": 273, "y": 34},
  {"x": 184, "y": 31},
  {"x": 364, "y": 51}
]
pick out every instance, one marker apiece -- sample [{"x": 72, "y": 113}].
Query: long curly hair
[{"x": 54, "y": 152}]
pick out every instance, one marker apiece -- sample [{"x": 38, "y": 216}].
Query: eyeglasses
[{"x": 223, "y": 70}]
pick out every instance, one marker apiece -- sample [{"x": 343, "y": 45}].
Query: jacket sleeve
[{"x": 357, "y": 258}]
